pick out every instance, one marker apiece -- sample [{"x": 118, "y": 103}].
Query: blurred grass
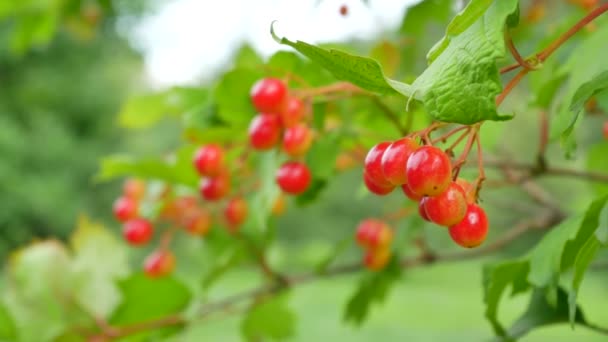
[{"x": 439, "y": 303}]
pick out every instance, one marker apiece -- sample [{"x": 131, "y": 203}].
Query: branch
[{"x": 549, "y": 171}]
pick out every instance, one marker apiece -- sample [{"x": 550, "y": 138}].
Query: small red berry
[
  {"x": 374, "y": 233},
  {"x": 293, "y": 113},
  {"x": 197, "y": 222},
  {"x": 137, "y": 232},
  {"x": 394, "y": 160},
  {"x": 447, "y": 208},
  {"x": 125, "y": 208},
  {"x": 375, "y": 188},
  {"x": 468, "y": 188},
  {"x": 134, "y": 189},
  {"x": 215, "y": 188},
  {"x": 264, "y": 131},
  {"x": 473, "y": 229},
  {"x": 410, "y": 194},
  {"x": 429, "y": 171},
  {"x": 373, "y": 163},
  {"x": 209, "y": 160},
  {"x": 269, "y": 95},
  {"x": 159, "y": 263},
  {"x": 235, "y": 213},
  {"x": 344, "y": 10},
  {"x": 297, "y": 140},
  {"x": 376, "y": 259},
  {"x": 422, "y": 210},
  {"x": 293, "y": 177}
]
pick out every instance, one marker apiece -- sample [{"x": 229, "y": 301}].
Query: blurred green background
[{"x": 61, "y": 90}]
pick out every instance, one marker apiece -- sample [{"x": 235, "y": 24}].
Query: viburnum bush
[{"x": 434, "y": 160}]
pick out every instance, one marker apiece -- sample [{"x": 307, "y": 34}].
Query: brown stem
[
  {"x": 467, "y": 149},
  {"x": 329, "y": 89},
  {"x": 482, "y": 174},
  {"x": 549, "y": 171},
  {"x": 512, "y": 83},
  {"x": 447, "y": 135},
  {"x": 511, "y": 46}
]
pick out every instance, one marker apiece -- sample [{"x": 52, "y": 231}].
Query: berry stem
[
  {"x": 511, "y": 46},
  {"x": 512, "y": 83},
  {"x": 329, "y": 89},
  {"x": 456, "y": 142},
  {"x": 445, "y": 137},
  {"x": 482, "y": 174},
  {"x": 472, "y": 133}
]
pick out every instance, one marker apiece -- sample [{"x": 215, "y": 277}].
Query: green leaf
[
  {"x": 335, "y": 252},
  {"x": 8, "y": 331},
  {"x": 312, "y": 193},
  {"x": 462, "y": 81},
  {"x": 145, "y": 299},
  {"x": 581, "y": 264},
  {"x": 597, "y": 84},
  {"x": 322, "y": 155},
  {"x": 597, "y": 161},
  {"x": 361, "y": 71},
  {"x": 373, "y": 289},
  {"x": 232, "y": 96},
  {"x": 270, "y": 319},
  {"x": 145, "y": 110}
]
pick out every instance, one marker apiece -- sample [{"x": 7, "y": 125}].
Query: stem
[
  {"x": 482, "y": 174},
  {"x": 329, "y": 89},
  {"x": 514, "y": 81},
  {"x": 445, "y": 137},
  {"x": 467, "y": 149},
  {"x": 511, "y": 46}
]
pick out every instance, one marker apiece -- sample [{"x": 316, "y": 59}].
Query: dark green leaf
[
  {"x": 270, "y": 319},
  {"x": 597, "y": 84},
  {"x": 312, "y": 193}
]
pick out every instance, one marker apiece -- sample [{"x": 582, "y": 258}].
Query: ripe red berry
[
  {"x": 473, "y": 229},
  {"x": 293, "y": 177},
  {"x": 468, "y": 188},
  {"x": 293, "y": 113},
  {"x": 410, "y": 194},
  {"x": 134, "y": 189},
  {"x": 137, "y": 232},
  {"x": 125, "y": 208},
  {"x": 447, "y": 208},
  {"x": 422, "y": 210},
  {"x": 374, "y": 233},
  {"x": 209, "y": 160},
  {"x": 606, "y": 130},
  {"x": 429, "y": 171},
  {"x": 264, "y": 131},
  {"x": 375, "y": 188},
  {"x": 297, "y": 140},
  {"x": 159, "y": 263},
  {"x": 268, "y": 95},
  {"x": 394, "y": 160},
  {"x": 215, "y": 188},
  {"x": 197, "y": 222},
  {"x": 235, "y": 212},
  {"x": 376, "y": 259},
  {"x": 344, "y": 10},
  {"x": 373, "y": 163}
]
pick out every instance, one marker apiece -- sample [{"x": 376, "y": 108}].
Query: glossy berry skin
[
  {"x": 378, "y": 189},
  {"x": 134, "y": 189},
  {"x": 197, "y": 222},
  {"x": 137, "y": 232},
  {"x": 373, "y": 164},
  {"x": 214, "y": 188},
  {"x": 293, "y": 113},
  {"x": 376, "y": 259},
  {"x": 374, "y": 233},
  {"x": 410, "y": 194},
  {"x": 236, "y": 211},
  {"x": 447, "y": 208},
  {"x": 159, "y": 263},
  {"x": 605, "y": 131},
  {"x": 468, "y": 188},
  {"x": 473, "y": 229},
  {"x": 297, "y": 140},
  {"x": 209, "y": 160},
  {"x": 269, "y": 95},
  {"x": 293, "y": 177},
  {"x": 124, "y": 209},
  {"x": 394, "y": 160},
  {"x": 264, "y": 131},
  {"x": 428, "y": 171},
  {"x": 422, "y": 210}
]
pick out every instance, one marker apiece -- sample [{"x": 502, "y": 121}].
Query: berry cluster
[
  {"x": 425, "y": 175},
  {"x": 281, "y": 116},
  {"x": 375, "y": 236}
]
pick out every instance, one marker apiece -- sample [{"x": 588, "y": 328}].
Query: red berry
[
  {"x": 197, "y": 222},
  {"x": 293, "y": 113},
  {"x": 375, "y": 188},
  {"x": 269, "y": 95},
  {"x": 209, "y": 160},
  {"x": 394, "y": 160},
  {"x": 235, "y": 212},
  {"x": 215, "y": 188},
  {"x": 376, "y": 259},
  {"x": 447, "y": 208},
  {"x": 297, "y": 140},
  {"x": 125, "y": 208},
  {"x": 159, "y": 263},
  {"x": 606, "y": 130},
  {"x": 373, "y": 164},
  {"x": 134, "y": 189},
  {"x": 410, "y": 194},
  {"x": 374, "y": 233},
  {"x": 264, "y": 131},
  {"x": 137, "y": 231},
  {"x": 428, "y": 171},
  {"x": 472, "y": 230},
  {"x": 293, "y": 177},
  {"x": 177, "y": 208},
  {"x": 344, "y": 10},
  {"x": 468, "y": 188},
  {"x": 422, "y": 210}
]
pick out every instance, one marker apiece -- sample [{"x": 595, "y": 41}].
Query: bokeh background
[{"x": 62, "y": 85}]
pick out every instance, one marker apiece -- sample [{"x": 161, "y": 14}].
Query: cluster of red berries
[
  {"x": 375, "y": 237},
  {"x": 424, "y": 173},
  {"x": 281, "y": 116},
  {"x": 138, "y": 231}
]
